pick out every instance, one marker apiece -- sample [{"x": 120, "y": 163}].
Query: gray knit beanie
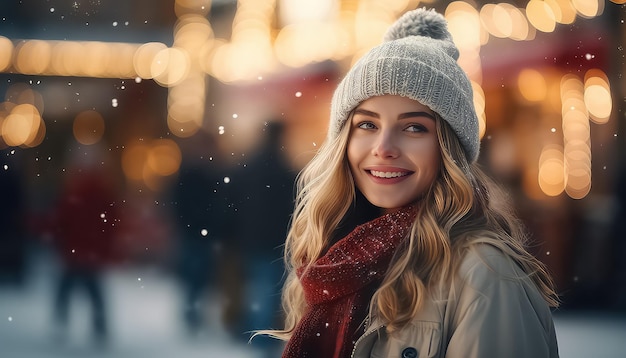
[{"x": 417, "y": 60}]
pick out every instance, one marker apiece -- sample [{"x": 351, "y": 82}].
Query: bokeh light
[
  {"x": 6, "y": 53},
  {"x": 597, "y": 96},
  {"x": 541, "y": 15},
  {"x": 23, "y": 126},
  {"x": 88, "y": 127},
  {"x": 532, "y": 85}
]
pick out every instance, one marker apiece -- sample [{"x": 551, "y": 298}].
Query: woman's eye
[
  {"x": 416, "y": 128},
  {"x": 366, "y": 125}
]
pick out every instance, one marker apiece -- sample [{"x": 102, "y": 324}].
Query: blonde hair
[{"x": 462, "y": 207}]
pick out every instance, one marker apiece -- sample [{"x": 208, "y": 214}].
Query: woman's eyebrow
[
  {"x": 416, "y": 114},
  {"x": 365, "y": 112}
]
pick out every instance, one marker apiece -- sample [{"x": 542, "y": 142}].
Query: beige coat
[{"x": 485, "y": 313}]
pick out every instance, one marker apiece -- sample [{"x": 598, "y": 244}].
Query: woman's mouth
[{"x": 388, "y": 175}]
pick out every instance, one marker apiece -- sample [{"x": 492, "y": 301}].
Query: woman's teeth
[{"x": 388, "y": 174}]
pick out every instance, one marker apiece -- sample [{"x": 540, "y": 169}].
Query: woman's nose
[{"x": 385, "y": 146}]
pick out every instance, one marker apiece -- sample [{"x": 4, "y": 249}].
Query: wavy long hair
[{"x": 462, "y": 206}]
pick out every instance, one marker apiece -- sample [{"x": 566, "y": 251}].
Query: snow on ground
[{"x": 144, "y": 322}]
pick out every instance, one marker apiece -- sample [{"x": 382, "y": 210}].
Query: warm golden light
[
  {"x": 576, "y": 138},
  {"x": 464, "y": 25},
  {"x": 219, "y": 65},
  {"x": 597, "y": 96},
  {"x": 184, "y": 7},
  {"x": 148, "y": 162},
  {"x": 164, "y": 157},
  {"x": 170, "y": 66},
  {"x": 540, "y": 15},
  {"x": 322, "y": 30},
  {"x": 520, "y": 29},
  {"x": 566, "y": 10},
  {"x": 32, "y": 57},
  {"x": 466, "y": 30},
  {"x": 88, "y": 127},
  {"x": 6, "y": 53},
  {"x": 563, "y": 10},
  {"x": 479, "y": 105},
  {"x": 134, "y": 159},
  {"x": 22, "y": 126},
  {"x": 306, "y": 11},
  {"x": 575, "y": 125},
  {"x": 21, "y": 93},
  {"x": 598, "y": 102},
  {"x": 70, "y": 58},
  {"x": 192, "y": 32},
  {"x": 551, "y": 176},
  {"x": 588, "y": 8},
  {"x": 502, "y": 20},
  {"x": 532, "y": 85},
  {"x": 144, "y": 56},
  {"x": 120, "y": 64},
  {"x": 66, "y": 58},
  {"x": 186, "y": 107},
  {"x": 300, "y": 44},
  {"x": 268, "y": 35},
  {"x": 95, "y": 58},
  {"x": 370, "y": 25},
  {"x": 20, "y": 117},
  {"x": 487, "y": 19},
  {"x": 250, "y": 52}
]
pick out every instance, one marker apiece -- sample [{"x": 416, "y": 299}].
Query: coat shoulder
[
  {"x": 484, "y": 265},
  {"x": 485, "y": 260}
]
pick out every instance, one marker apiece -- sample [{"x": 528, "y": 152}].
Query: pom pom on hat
[
  {"x": 417, "y": 60},
  {"x": 420, "y": 22}
]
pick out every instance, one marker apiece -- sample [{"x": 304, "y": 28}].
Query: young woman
[{"x": 399, "y": 245}]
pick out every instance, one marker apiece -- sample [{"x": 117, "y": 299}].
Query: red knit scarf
[{"x": 339, "y": 286}]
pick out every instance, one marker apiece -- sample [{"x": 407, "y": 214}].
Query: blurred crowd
[{"x": 224, "y": 226}]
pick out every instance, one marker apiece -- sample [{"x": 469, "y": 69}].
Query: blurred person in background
[
  {"x": 616, "y": 294},
  {"x": 400, "y": 246},
  {"x": 12, "y": 230},
  {"x": 84, "y": 230},
  {"x": 262, "y": 192},
  {"x": 201, "y": 206}
]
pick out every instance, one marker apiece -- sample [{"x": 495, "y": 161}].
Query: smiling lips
[
  {"x": 382, "y": 174},
  {"x": 388, "y": 175}
]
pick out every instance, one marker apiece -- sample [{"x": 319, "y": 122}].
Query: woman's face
[{"x": 393, "y": 150}]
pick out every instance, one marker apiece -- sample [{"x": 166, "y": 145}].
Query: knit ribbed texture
[{"x": 417, "y": 61}]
